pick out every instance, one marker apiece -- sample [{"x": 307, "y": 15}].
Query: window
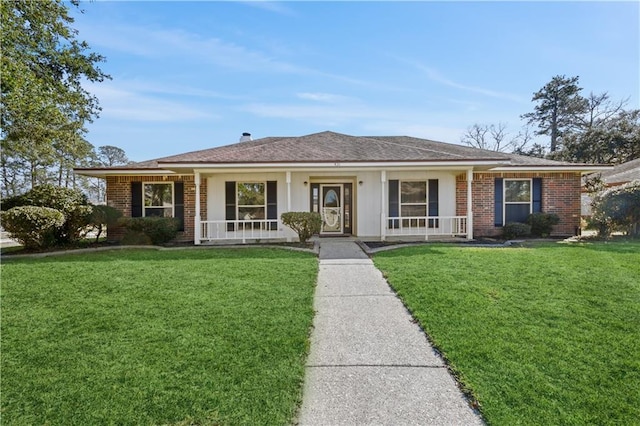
[
  {"x": 251, "y": 201},
  {"x": 413, "y": 202},
  {"x": 517, "y": 200},
  {"x": 158, "y": 199},
  {"x": 413, "y": 199}
]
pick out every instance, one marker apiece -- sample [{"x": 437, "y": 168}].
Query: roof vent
[{"x": 245, "y": 137}]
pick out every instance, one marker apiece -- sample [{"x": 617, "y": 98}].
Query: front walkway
[{"x": 370, "y": 364}]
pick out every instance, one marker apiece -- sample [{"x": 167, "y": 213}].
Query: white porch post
[
  {"x": 383, "y": 181},
  {"x": 469, "y": 205},
  {"x": 196, "y": 220},
  {"x": 289, "y": 198},
  {"x": 288, "y": 191}
]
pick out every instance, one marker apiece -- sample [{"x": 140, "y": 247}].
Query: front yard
[
  {"x": 146, "y": 337},
  {"x": 544, "y": 335}
]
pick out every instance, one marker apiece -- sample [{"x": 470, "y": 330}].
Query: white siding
[{"x": 366, "y": 197}]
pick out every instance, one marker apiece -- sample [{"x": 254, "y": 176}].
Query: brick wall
[
  {"x": 119, "y": 197},
  {"x": 560, "y": 195}
]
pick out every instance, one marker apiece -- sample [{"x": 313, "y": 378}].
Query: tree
[
  {"x": 617, "y": 209},
  {"x": 559, "y": 109},
  {"x": 44, "y": 107},
  {"x": 613, "y": 137},
  {"x": 110, "y": 156},
  {"x": 494, "y": 137}
]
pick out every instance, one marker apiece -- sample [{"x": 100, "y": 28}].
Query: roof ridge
[{"x": 422, "y": 148}]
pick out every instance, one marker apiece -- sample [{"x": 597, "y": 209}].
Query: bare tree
[{"x": 495, "y": 137}]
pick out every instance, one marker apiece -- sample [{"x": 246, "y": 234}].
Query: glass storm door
[{"x": 331, "y": 209}]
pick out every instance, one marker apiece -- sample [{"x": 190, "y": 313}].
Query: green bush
[
  {"x": 32, "y": 226},
  {"x": 103, "y": 215},
  {"x": 305, "y": 224},
  {"x": 515, "y": 230},
  {"x": 542, "y": 223},
  {"x": 159, "y": 230},
  {"x": 72, "y": 203},
  {"x": 617, "y": 209}
]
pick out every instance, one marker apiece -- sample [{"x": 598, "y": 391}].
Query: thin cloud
[
  {"x": 270, "y": 6},
  {"x": 323, "y": 97},
  {"x": 435, "y": 76},
  {"x": 132, "y": 106}
]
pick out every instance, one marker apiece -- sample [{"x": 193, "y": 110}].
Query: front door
[
  {"x": 334, "y": 202},
  {"x": 331, "y": 209}
]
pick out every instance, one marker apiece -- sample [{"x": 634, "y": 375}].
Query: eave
[
  {"x": 103, "y": 172},
  {"x": 582, "y": 168}
]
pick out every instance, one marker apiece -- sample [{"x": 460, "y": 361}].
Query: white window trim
[
  {"x": 238, "y": 205},
  {"x": 173, "y": 198},
  {"x": 426, "y": 199},
  {"x": 504, "y": 197}
]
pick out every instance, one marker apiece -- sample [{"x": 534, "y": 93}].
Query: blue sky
[{"x": 194, "y": 75}]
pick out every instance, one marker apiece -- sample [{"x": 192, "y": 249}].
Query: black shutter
[
  {"x": 136, "y": 199},
  {"x": 433, "y": 203},
  {"x": 537, "y": 195},
  {"x": 178, "y": 208},
  {"x": 230, "y": 204},
  {"x": 498, "y": 198},
  {"x": 272, "y": 202},
  {"x": 394, "y": 203}
]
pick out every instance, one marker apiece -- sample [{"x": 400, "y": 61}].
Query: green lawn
[
  {"x": 546, "y": 335},
  {"x": 211, "y": 336}
]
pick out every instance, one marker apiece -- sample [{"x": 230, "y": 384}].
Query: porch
[{"x": 426, "y": 227}]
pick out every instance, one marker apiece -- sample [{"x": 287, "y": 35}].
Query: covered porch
[{"x": 302, "y": 190}]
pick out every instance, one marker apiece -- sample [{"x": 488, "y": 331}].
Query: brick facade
[
  {"x": 560, "y": 195},
  {"x": 119, "y": 197}
]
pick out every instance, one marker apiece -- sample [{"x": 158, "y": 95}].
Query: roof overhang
[
  {"x": 168, "y": 168},
  {"x": 463, "y": 164},
  {"x": 578, "y": 168},
  {"x": 122, "y": 172}
]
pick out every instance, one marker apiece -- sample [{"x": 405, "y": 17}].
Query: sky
[{"x": 194, "y": 75}]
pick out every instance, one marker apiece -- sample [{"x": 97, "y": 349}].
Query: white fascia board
[
  {"x": 564, "y": 168},
  {"x": 123, "y": 172},
  {"x": 334, "y": 165}
]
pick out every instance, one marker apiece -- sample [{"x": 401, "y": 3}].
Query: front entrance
[{"x": 334, "y": 203}]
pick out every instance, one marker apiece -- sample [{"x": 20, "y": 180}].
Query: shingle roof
[
  {"x": 331, "y": 147},
  {"x": 335, "y": 147},
  {"x": 622, "y": 173}
]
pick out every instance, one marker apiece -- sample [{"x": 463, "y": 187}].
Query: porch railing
[
  {"x": 243, "y": 230},
  {"x": 426, "y": 226}
]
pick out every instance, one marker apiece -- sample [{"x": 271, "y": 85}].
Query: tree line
[
  {"x": 585, "y": 129},
  {"x": 44, "y": 107}
]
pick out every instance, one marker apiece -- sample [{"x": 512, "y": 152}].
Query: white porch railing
[
  {"x": 219, "y": 230},
  {"x": 426, "y": 226}
]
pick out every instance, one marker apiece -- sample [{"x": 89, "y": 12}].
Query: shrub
[
  {"x": 516, "y": 229},
  {"x": 32, "y": 226},
  {"x": 159, "y": 230},
  {"x": 617, "y": 209},
  {"x": 305, "y": 224},
  {"x": 542, "y": 223},
  {"x": 103, "y": 215},
  {"x": 72, "y": 203}
]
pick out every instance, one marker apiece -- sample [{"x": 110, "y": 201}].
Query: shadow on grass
[{"x": 142, "y": 254}]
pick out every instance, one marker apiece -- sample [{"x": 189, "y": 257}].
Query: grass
[
  {"x": 156, "y": 337},
  {"x": 543, "y": 335}
]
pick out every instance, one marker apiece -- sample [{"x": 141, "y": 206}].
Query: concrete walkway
[{"x": 370, "y": 364}]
